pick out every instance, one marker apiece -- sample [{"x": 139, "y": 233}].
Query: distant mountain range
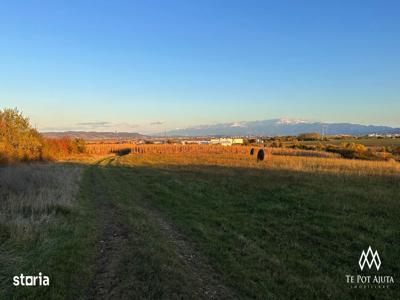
[
  {"x": 94, "y": 135},
  {"x": 274, "y": 127},
  {"x": 280, "y": 127}
]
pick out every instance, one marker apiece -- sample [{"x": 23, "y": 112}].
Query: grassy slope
[
  {"x": 269, "y": 233},
  {"x": 278, "y": 233}
]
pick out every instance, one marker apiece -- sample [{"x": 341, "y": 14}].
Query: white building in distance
[{"x": 226, "y": 141}]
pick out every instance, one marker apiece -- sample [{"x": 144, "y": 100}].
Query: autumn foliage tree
[
  {"x": 19, "y": 141},
  {"x": 309, "y": 137},
  {"x": 61, "y": 148}
]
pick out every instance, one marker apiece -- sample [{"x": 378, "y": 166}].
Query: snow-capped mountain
[
  {"x": 282, "y": 126},
  {"x": 291, "y": 121}
]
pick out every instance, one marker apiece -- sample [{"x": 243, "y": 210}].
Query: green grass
[
  {"x": 266, "y": 233},
  {"x": 369, "y": 142},
  {"x": 279, "y": 234},
  {"x": 144, "y": 264},
  {"x": 58, "y": 247}
]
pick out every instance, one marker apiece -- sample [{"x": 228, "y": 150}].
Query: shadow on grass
[
  {"x": 275, "y": 233},
  {"x": 266, "y": 233}
]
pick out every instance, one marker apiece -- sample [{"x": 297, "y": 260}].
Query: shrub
[
  {"x": 396, "y": 151},
  {"x": 122, "y": 152},
  {"x": 309, "y": 137},
  {"x": 277, "y": 144},
  {"x": 359, "y": 151},
  {"x": 18, "y": 140},
  {"x": 61, "y": 148}
]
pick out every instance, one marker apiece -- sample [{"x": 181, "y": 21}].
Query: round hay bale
[{"x": 260, "y": 155}]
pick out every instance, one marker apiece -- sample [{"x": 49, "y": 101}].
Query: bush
[
  {"x": 358, "y": 151},
  {"x": 18, "y": 140},
  {"x": 61, "y": 148},
  {"x": 122, "y": 152},
  {"x": 277, "y": 144},
  {"x": 396, "y": 151},
  {"x": 309, "y": 137}
]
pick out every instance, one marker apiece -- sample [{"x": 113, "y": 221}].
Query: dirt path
[
  {"x": 114, "y": 236},
  {"x": 206, "y": 282}
]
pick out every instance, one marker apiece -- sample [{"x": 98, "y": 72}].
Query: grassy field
[
  {"x": 43, "y": 228},
  {"x": 202, "y": 226},
  {"x": 280, "y": 229},
  {"x": 369, "y": 142}
]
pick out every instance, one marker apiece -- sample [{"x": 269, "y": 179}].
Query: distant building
[
  {"x": 237, "y": 141},
  {"x": 198, "y": 142},
  {"x": 226, "y": 141}
]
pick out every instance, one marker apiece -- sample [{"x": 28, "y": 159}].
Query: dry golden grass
[
  {"x": 276, "y": 162},
  {"x": 238, "y": 156},
  {"x": 32, "y": 194},
  {"x": 106, "y": 148},
  {"x": 306, "y": 153}
]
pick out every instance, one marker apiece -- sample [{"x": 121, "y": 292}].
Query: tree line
[{"x": 19, "y": 141}]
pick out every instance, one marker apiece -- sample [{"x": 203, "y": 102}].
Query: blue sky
[{"x": 149, "y": 66}]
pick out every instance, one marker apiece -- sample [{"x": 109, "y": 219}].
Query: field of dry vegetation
[
  {"x": 384, "y": 149},
  {"x": 33, "y": 194},
  {"x": 135, "y": 219},
  {"x": 238, "y": 156}
]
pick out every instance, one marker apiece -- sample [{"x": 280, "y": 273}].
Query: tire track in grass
[
  {"x": 113, "y": 234},
  {"x": 118, "y": 239},
  {"x": 206, "y": 281}
]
